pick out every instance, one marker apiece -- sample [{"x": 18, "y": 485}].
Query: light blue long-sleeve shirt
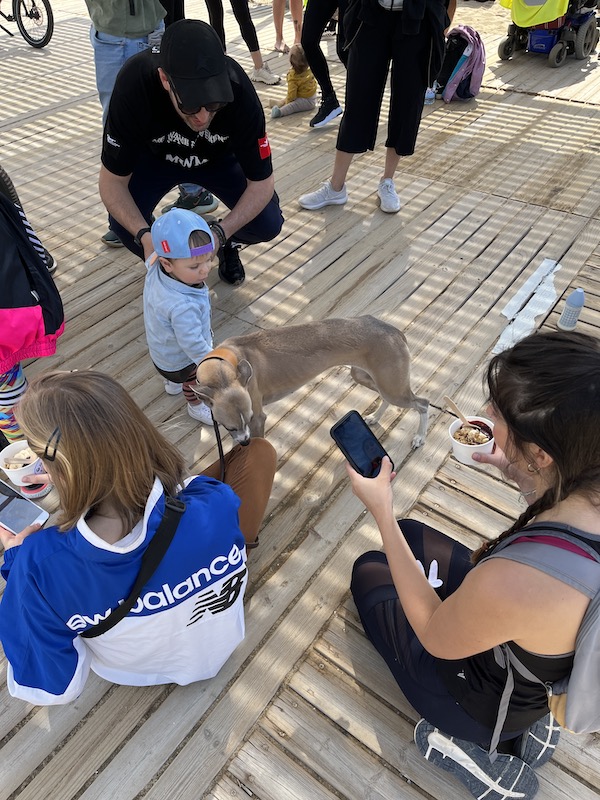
[{"x": 177, "y": 320}]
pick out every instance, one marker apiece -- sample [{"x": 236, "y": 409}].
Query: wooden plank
[
  {"x": 352, "y": 770},
  {"x": 262, "y": 769}
]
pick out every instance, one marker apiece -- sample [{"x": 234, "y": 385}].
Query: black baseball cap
[{"x": 192, "y": 55}]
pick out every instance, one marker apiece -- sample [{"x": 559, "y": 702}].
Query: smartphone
[
  {"x": 16, "y": 512},
  {"x": 359, "y": 444}
]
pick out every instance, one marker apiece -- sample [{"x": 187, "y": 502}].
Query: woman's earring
[{"x": 532, "y": 468}]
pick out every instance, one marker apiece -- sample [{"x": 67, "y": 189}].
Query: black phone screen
[{"x": 359, "y": 444}]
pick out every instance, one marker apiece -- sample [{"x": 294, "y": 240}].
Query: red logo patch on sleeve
[
  {"x": 165, "y": 246},
  {"x": 264, "y": 148}
]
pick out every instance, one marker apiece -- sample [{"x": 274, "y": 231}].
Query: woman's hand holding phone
[{"x": 375, "y": 493}]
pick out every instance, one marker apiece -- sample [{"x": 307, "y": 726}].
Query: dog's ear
[
  {"x": 244, "y": 371},
  {"x": 205, "y": 393}
]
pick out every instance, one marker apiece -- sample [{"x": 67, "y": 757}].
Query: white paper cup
[
  {"x": 16, "y": 475},
  {"x": 463, "y": 452}
]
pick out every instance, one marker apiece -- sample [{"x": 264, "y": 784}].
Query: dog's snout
[{"x": 245, "y": 442}]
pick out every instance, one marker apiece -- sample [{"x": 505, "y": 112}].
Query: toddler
[
  {"x": 177, "y": 305},
  {"x": 301, "y": 86}
]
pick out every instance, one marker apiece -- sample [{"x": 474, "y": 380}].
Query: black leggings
[
  {"x": 242, "y": 14},
  {"x": 316, "y": 16},
  {"x": 385, "y": 624}
]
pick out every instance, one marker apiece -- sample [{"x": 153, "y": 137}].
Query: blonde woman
[{"x": 113, "y": 473}]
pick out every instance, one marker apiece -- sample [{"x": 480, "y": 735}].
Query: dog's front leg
[
  {"x": 257, "y": 424},
  {"x": 373, "y": 419},
  {"x": 422, "y": 406}
]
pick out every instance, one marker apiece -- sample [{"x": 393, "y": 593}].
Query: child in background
[
  {"x": 301, "y": 86},
  {"x": 177, "y": 305},
  {"x": 31, "y": 312}
]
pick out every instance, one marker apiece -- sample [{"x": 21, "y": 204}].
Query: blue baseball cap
[{"x": 171, "y": 234}]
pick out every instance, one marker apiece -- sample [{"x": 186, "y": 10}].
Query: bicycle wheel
[
  {"x": 35, "y": 21},
  {"x": 7, "y": 187}
]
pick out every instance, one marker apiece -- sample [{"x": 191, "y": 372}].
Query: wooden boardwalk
[{"x": 305, "y": 709}]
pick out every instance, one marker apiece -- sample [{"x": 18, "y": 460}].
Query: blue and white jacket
[
  {"x": 187, "y": 622},
  {"x": 177, "y": 320}
]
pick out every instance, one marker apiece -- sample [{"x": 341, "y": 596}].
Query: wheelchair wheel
[
  {"x": 35, "y": 21},
  {"x": 506, "y": 48},
  {"x": 585, "y": 41},
  {"x": 7, "y": 187},
  {"x": 558, "y": 55}
]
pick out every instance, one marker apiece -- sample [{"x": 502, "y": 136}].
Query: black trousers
[
  {"x": 373, "y": 50},
  {"x": 242, "y": 14},
  {"x": 316, "y": 16},
  {"x": 152, "y": 179},
  {"x": 384, "y": 621},
  {"x": 175, "y": 10}
]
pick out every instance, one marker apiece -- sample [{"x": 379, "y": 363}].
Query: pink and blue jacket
[{"x": 31, "y": 311}]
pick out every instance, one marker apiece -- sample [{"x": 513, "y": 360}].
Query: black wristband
[
  {"x": 218, "y": 229},
  {"x": 138, "y": 237}
]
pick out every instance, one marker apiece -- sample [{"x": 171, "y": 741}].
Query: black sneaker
[
  {"x": 330, "y": 28},
  {"x": 508, "y": 776},
  {"x": 203, "y": 202},
  {"x": 231, "y": 269},
  {"x": 538, "y": 743},
  {"x": 328, "y": 110},
  {"x": 110, "y": 239}
]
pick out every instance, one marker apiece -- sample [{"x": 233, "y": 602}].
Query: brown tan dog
[{"x": 246, "y": 372}]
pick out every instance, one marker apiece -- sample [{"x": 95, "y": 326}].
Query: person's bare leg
[
  {"x": 257, "y": 59},
  {"x": 391, "y": 163},
  {"x": 278, "y": 12},
  {"x": 296, "y": 13},
  {"x": 389, "y": 202},
  {"x": 340, "y": 169}
]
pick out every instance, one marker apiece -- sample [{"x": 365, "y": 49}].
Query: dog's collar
[{"x": 223, "y": 354}]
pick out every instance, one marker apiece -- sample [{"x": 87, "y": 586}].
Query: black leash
[
  {"x": 174, "y": 508},
  {"x": 220, "y": 446},
  {"x": 249, "y": 545}
]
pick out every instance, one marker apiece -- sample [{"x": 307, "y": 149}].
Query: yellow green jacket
[
  {"x": 529, "y": 13},
  {"x": 300, "y": 84}
]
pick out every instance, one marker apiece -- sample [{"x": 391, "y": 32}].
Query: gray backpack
[{"x": 574, "y": 700}]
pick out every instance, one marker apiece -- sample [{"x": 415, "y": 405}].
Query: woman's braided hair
[{"x": 547, "y": 390}]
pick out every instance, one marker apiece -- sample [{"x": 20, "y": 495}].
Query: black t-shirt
[{"x": 142, "y": 120}]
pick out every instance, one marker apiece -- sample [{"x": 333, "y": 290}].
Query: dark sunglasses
[{"x": 212, "y": 108}]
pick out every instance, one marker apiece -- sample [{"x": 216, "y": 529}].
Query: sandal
[{"x": 283, "y": 48}]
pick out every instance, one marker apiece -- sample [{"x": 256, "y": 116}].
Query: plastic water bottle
[
  {"x": 429, "y": 97},
  {"x": 572, "y": 310}
]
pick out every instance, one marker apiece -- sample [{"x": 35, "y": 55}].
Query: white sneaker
[
  {"x": 324, "y": 196},
  {"x": 200, "y": 412},
  {"x": 264, "y": 75},
  {"x": 173, "y": 388},
  {"x": 388, "y": 199}
]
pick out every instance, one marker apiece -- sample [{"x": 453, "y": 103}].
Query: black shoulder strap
[{"x": 155, "y": 551}]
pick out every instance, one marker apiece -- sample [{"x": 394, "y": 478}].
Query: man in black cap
[{"x": 188, "y": 114}]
